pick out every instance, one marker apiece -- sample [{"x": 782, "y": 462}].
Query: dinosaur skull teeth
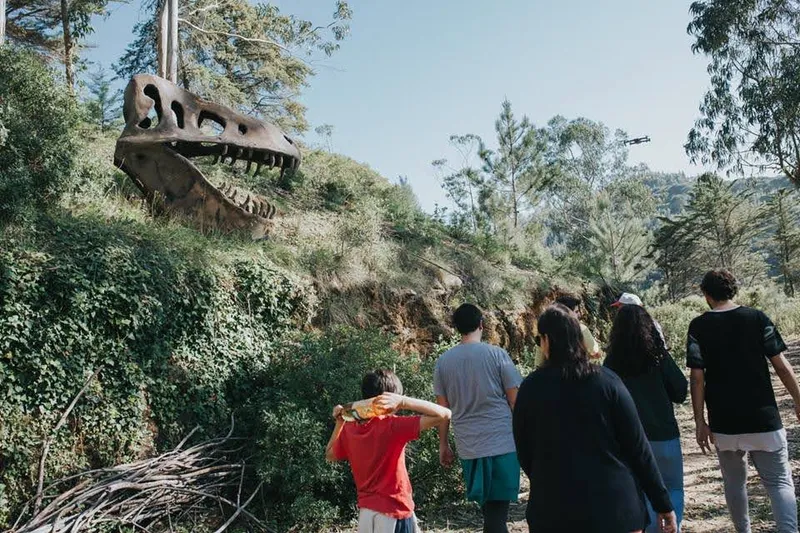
[
  {"x": 251, "y": 203},
  {"x": 231, "y": 154}
]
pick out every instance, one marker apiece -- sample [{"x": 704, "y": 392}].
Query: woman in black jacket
[
  {"x": 581, "y": 443},
  {"x": 638, "y": 355}
]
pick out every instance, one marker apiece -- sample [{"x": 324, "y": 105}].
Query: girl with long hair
[
  {"x": 638, "y": 355},
  {"x": 581, "y": 443}
]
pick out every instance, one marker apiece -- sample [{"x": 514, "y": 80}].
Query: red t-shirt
[{"x": 376, "y": 452}]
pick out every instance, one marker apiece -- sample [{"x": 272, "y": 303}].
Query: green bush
[
  {"x": 171, "y": 321},
  {"x": 771, "y": 299},
  {"x": 38, "y": 128},
  {"x": 297, "y": 392},
  {"x": 675, "y": 318}
]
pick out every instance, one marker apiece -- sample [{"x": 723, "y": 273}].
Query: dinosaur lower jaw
[
  {"x": 162, "y": 172},
  {"x": 248, "y": 156}
]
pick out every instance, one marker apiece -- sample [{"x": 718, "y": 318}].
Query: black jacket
[
  {"x": 654, "y": 393},
  {"x": 584, "y": 449}
]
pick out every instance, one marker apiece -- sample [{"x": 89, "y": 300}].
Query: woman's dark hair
[
  {"x": 719, "y": 284},
  {"x": 379, "y": 381},
  {"x": 467, "y": 318},
  {"x": 567, "y": 351},
  {"x": 636, "y": 347}
]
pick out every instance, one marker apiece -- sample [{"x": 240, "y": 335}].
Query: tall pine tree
[
  {"x": 103, "y": 103},
  {"x": 247, "y": 55},
  {"x": 516, "y": 172}
]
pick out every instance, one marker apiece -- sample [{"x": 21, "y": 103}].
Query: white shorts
[{"x": 372, "y": 522}]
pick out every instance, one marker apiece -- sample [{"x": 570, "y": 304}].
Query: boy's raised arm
[
  {"x": 330, "y": 454},
  {"x": 432, "y": 414}
]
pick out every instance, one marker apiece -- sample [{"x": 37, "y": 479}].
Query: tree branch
[
  {"x": 243, "y": 38},
  {"x": 38, "y": 503}
]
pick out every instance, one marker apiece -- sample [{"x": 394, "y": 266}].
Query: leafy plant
[
  {"x": 169, "y": 323},
  {"x": 296, "y": 394},
  {"x": 38, "y": 125}
]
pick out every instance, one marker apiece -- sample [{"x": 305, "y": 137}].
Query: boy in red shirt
[{"x": 376, "y": 450}]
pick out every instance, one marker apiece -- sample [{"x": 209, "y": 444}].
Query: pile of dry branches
[{"x": 148, "y": 495}]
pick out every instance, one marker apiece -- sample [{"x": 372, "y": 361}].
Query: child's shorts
[{"x": 372, "y": 522}]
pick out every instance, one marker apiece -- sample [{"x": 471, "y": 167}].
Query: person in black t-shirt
[
  {"x": 727, "y": 351},
  {"x": 638, "y": 355}
]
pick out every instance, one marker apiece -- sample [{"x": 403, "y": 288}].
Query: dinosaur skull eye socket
[
  {"x": 211, "y": 123},
  {"x": 154, "y": 115},
  {"x": 242, "y": 129},
  {"x": 288, "y": 139}
]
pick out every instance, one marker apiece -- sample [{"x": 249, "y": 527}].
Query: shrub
[
  {"x": 298, "y": 391},
  {"x": 38, "y": 122},
  {"x": 171, "y": 321},
  {"x": 771, "y": 299},
  {"x": 675, "y": 318}
]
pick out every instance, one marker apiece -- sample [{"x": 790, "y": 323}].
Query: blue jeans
[{"x": 670, "y": 464}]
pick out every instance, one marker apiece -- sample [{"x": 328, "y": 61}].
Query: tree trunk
[
  {"x": 173, "y": 41},
  {"x": 2, "y": 22},
  {"x": 782, "y": 235},
  {"x": 163, "y": 38},
  {"x": 184, "y": 71},
  {"x": 68, "y": 44}
]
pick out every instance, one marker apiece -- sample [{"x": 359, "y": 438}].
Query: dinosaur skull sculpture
[{"x": 158, "y": 156}]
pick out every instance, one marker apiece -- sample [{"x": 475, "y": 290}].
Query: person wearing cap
[{"x": 628, "y": 298}]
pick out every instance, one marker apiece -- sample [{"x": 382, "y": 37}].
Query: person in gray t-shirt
[{"x": 479, "y": 383}]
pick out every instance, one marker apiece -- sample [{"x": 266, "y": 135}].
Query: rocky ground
[{"x": 706, "y": 511}]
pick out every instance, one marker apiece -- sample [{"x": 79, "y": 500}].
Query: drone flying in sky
[{"x": 637, "y": 140}]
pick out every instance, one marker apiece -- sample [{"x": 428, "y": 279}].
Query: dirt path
[{"x": 705, "y": 511}]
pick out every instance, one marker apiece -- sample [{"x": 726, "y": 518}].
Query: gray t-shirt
[{"x": 474, "y": 378}]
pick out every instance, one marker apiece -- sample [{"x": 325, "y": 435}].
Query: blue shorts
[{"x": 490, "y": 479}]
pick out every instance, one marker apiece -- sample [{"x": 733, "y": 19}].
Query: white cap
[{"x": 627, "y": 299}]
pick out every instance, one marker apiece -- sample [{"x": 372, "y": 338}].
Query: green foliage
[
  {"x": 465, "y": 186},
  {"x": 749, "y": 114},
  {"x": 675, "y": 318},
  {"x": 294, "y": 399},
  {"x": 717, "y": 230},
  {"x": 498, "y": 198},
  {"x": 39, "y": 124},
  {"x": 785, "y": 312},
  {"x": 103, "y": 104},
  {"x": 787, "y": 238},
  {"x": 588, "y": 153},
  {"x": 617, "y": 249},
  {"x": 324, "y": 182},
  {"x": 36, "y": 24},
  {"x": 246, "y": 55},
  {"x": 169, "y": 319}
]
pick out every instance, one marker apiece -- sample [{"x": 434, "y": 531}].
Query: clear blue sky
[{"x": 414, "y": 72}]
